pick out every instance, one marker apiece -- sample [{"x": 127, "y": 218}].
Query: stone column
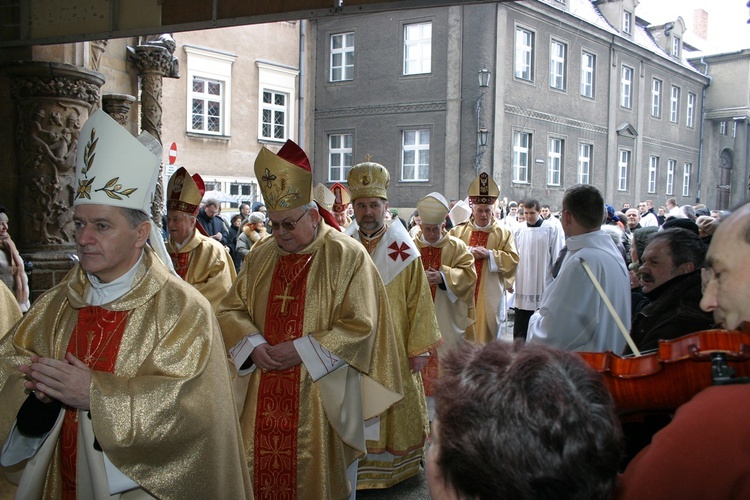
[
  {"x": 154, "y": 62},
  {"x": 118, "y": 106},
  {"x": 52, "y": 102}
]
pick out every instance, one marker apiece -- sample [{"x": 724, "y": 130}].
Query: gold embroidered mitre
[
  {"x": 184, "y": 193},
  {"x": 285, "y": 178},
  {"x": 324, "y": 196},
  {"x": 114, "y": 168},
  {"x": 342, "y": 197},
  {"x": 368, "y": 180},
  {"x": 483, "y": 191},
  {"x": 433, "y": 208}
]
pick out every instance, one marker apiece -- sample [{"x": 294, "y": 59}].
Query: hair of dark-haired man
[
  {"x": 525, "y": 421},
  {"x": 532, "y": 203},
  {"x": 586, "y": 204},
  {"x": 684, "y": 246}
]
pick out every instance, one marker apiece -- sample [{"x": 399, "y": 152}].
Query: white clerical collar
[
  {"x": 103, "y": 293},
  {"x": 425, "y": 242},
  {"x": 481, "y": 227},
  {"x": 179, "y": 246}
]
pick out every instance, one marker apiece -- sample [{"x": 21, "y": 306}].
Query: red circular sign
[{"x": 173, "y": 153}]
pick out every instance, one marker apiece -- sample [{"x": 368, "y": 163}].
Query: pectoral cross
[{"x": 284, "y": 298}]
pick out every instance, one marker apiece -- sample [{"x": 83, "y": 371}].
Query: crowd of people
[{"x": 313, "y": 345}]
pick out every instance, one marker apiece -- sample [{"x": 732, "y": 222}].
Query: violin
[{"x": 670, "y": 376}]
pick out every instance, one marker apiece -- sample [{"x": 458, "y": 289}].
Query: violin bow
[{"x": 611, "y": 308}]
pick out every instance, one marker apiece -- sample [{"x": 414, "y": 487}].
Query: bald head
[{"x": 726, "y": 278}]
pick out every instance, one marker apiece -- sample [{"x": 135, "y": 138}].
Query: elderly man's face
[
  {"x": 180, "y": 226},
  {"x": 482, "y": 214},
  {"x": 633, "y": 217},
  {"x": 658, "y": 267},
  {"x": 340, "y": 217},
  {"x": 106, "y": 244},
  {"x": 432, "y": 232},
  {"x": 726, "y": 278},
  {"x": 370, "y": 213},
  {"x": 305, "y": 223}
]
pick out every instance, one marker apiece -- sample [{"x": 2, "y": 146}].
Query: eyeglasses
[{"x": 288, "y": 225}]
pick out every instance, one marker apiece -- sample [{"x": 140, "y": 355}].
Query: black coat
[{"x": 674, "y": 311}]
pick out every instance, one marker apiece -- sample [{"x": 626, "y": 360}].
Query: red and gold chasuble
[
  {"x": 478, "y": 239},
  {"x": 95, "y": 341},
  {"x": 181, "y": 262},
  {"x": 277, "y": 413},
  {"x": 431, "y": 259}
]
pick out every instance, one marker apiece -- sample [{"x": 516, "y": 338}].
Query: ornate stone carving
[
  {"x": 118, "y": 106},
  {"x": 96, "y": 50},
  {"x": 52, "y": 100}
]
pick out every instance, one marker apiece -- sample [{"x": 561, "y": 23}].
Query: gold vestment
[
  {"x": 346, "y": 312},
  {"x": 210, "y": 267},
  {"x": 166, "y": 417},
  {"x": 492, "y": 284}
]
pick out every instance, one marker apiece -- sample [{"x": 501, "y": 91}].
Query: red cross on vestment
[{"x": 399, "y": 251}]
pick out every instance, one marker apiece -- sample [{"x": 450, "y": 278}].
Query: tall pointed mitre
[
  {"x": 323, "y": 196},
  {"x": 342, "y": 198},
  {"x": 483, "y": 191},
  {"x": 368, "y": 180},
  {"x": 285, "y": 178},
  {"x": 185, "y": 192},
  {"x": 433, "y": 208},
  {"x": 114, "y": 168}
]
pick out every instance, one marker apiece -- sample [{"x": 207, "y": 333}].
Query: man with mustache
[{"x": 670, "y": 280}]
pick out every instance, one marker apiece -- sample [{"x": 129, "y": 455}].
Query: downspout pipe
[
  {"x": 703, "y": 124},
  {"x": 302, "y": 86}
]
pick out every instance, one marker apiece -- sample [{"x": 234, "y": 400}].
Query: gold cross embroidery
[{"x": 284, "y": 299}]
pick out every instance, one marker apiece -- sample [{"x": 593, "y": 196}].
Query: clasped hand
[
  {"x": 278, "y": 357},
  {"x": 67, "y": 381}
]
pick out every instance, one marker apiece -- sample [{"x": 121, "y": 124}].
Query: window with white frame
[
  {"x": 686, "y": 172},
  {"x": 274, "y": 108},
  {"x": 585, "y": 152},
  {"x": 342, "y": 57},
  {"x": 209, "y": 80},
  {"x": 588, "y": 73},
  {"x": 524, "y": 54},
  {"x": 626, "y": 87},
  {"x": 674, "y": 104},
  {"x": 653, "y": 168},
  {"x": 243, "y": 190},
  {"x": 690, "y": 111},
  {"x": 417, "y": 48},
  {"x": 557, "y": 60},
  {"x": 671, "y": 167},
  {"x": 339, "y": 157},
  {"x": 627, "y": 22},
  {"x": 623, "y": 167},
  {"x": 415, "y": 155},
  {"x": 521, "y": 156},
  {"x": 676, "y": 46},
  {"x": 554, "y": 160},
  {"x": 656, "y": 86},
  {"x": 207, "y": 106},
  {"x": 723, "y": 128},
  {"x": 277, "y": 95}
]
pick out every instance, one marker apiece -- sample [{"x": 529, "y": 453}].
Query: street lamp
[
  {"x": 482, "y": 135},
  {"x": 484, "y": 77},
  {"x": 482, "y": 132}
]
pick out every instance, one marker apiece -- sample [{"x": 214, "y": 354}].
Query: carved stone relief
[{"x": 53, "y": 101}]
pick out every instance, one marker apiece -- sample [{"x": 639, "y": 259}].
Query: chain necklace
[{"x": 286, "y": 297}]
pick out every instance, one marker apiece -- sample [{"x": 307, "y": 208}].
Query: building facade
[{"x": 580, "y": 91}]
